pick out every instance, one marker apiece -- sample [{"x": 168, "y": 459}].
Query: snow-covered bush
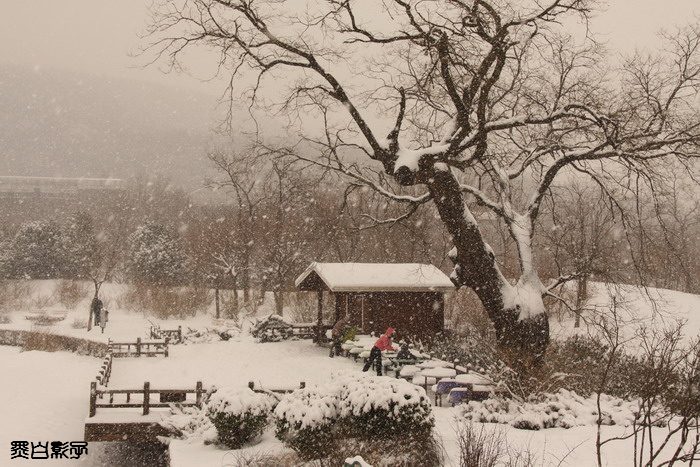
[
  {"x": 305, "y": 420},
  {"x": 274, "y": 328},
  {"x": 239, "y": 415},
  {"x": 191, "y": 423},
  {"x": 382, "y": 406},
  {"x": 312, "y": 421},
  {"x": 563, "y": 409}
]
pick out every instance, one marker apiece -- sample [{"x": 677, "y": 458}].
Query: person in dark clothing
[
  {"x": 383, "y": 343},
  {"x": 96, "y": 310},
  {"x": 405, "y": 352},
  {"x": 104, "y": 317},
  {"x": 337, "y": 333}
]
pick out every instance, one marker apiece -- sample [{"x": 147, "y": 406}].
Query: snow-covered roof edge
[{"x": 429, "y": 278}]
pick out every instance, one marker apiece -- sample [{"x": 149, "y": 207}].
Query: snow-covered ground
[
  {"x": 46, "y": 394},
  {"x": 44, "y": 398},
  {"x": 231, "y": 363},
  {"x": 637, "y": 307}
]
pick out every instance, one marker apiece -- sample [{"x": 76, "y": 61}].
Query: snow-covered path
[
  {"x": 232, "y": 363},
  {"x": 44, "y": 397}
]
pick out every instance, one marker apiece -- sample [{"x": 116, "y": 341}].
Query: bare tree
[
  {"x": 582, "y": 239},
  {"x": 437, "y": 93},
  {"x": 241, "y": 175},
  {"x": 103, "y": 260}
]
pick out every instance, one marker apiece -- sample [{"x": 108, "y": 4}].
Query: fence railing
[
  {"x": 105, "y": 371},
  {"x": 171, "y": 335},
  {"x": 142, "y": 398},
  {"x": 138, "y": 348}
]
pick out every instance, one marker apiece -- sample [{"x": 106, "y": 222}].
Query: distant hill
[{"x": 54, "y": 123}]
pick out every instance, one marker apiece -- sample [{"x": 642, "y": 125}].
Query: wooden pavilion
[{"x": 406, "y": 296}]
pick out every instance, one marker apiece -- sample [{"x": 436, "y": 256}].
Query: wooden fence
[
  {"x": 124, "y": 398},
  {"x": 171, "y": 335},
  {"x": 138, "y": 348},
  {"x": 105, "y": 371}
]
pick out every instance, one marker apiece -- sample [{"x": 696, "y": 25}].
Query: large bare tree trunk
[
  {"x": 279, "y": 302},
  {"x": 216, "y": 301},
  {"x": 476, "y": 268}
]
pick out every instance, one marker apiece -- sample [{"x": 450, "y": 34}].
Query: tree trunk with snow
[{"x": 519, "y": 318}]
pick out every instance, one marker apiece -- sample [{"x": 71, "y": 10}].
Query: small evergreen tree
[
  {"x": 81, "y": 247},
  {"x": 156, "y": 256},
  {"x": 37, "y": 251}
]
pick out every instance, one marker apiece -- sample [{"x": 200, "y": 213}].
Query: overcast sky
[
  {"x": 96, "y": 36},
  {"x": 50, "y": 47}
]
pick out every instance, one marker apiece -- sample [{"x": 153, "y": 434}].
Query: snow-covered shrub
[
  {"x": 305, "y": 420},
  {"x": 191, "y": 423},
  {"x": 374, "y": 406},
  {"x": 273, "y": 328},
  {"x": 239, "y": 415},
  {"x": 563, "y": 409},
  {"x": 314, "y": 421}
]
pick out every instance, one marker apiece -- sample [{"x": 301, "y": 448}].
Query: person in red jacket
[{"x": 383, "y": 343}]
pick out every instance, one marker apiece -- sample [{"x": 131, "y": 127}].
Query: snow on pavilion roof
[{"x": 377, "y": 277}]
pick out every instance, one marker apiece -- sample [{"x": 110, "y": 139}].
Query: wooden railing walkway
[
  {"x": 138, "y": 348},
  {"x": 167, "y": 397}
]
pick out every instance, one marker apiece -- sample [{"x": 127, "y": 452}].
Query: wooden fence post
[
  {"x": 198, "y": 395},
  {"x": 179, "y": 334},
  {"x": 146, "y": 397},
  {"x": 165, "y": 351},
  {"x": 93, "y": 398},
  {"x": 138, "y": 346}
]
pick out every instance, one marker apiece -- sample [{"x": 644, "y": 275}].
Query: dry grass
[
  {"x": 70, "y": 293},
  {"x": 304, "y": 306},
  {"x": 166, "y": 302},
  {"x": 394, "y": 452},
  {"x": 489, "y": 447},
  {"x": 39, "y": 302},
  {"x": 15, "y": 294},
  {"x": 79, "y": 323}
]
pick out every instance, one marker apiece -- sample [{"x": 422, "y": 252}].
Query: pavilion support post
[{"x": 319, "y": 320}]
